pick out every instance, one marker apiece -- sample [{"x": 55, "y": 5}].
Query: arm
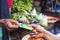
[
  {"x": 47, "y": 35},
  {"x": 50, "y": 36}
]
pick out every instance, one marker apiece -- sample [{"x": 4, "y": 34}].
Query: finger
[
  {"x": 14, "y": 22},
  {"x": 39, "y": 35},
  {"x": 15, "y": 26},
  {"x": 34, "y": 31},
  {"x": 11, "y": 26},
  {"x": 33, "y": 34},
  {"x": 35, "y": 25},
  {"x": 26, "y": 22},
  {"x": 11, "y": 29},
  {"x": 32, "y": 25}
]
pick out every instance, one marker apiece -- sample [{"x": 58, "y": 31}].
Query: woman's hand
[{"x": 11, "y": 24}]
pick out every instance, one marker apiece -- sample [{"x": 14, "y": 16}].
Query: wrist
[{"x": 44, "y": 31}]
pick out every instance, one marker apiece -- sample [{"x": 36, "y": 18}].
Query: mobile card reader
[{"x": 25, "y": 26}]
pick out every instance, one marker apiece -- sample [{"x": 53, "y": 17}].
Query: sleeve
[{"x": 4, "y": 13}]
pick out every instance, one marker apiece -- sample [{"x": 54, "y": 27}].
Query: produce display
[
  {"x": 21, "y": 5},
  {"x": 37, "y": 18},
  {"x": 21, "y": 11}
]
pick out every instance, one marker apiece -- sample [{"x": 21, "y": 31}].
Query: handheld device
[{"x": 25, "y": 26}]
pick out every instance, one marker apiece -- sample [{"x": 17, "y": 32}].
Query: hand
[
  {"x": 38, "y": 28},
  {"x": 37, "y": 31},
  {"x": 11, "y": 24}
]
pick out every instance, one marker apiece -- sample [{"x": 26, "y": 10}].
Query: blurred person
[
  {"x": 37, "y": 6},
  {"x": 5, "y": 22}
]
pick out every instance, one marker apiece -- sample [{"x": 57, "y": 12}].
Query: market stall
[{"x": 20, "y": 10}]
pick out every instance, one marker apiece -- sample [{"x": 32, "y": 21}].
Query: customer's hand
[{"x": 11, "y": 24}]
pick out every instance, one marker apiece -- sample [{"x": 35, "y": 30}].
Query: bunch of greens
[{"x": 19, "y": 7}]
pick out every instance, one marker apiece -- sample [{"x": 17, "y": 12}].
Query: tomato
[{"x": 35, "y": 38}]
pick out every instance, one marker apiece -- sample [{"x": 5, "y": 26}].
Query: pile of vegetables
[
  {"x": 19, "y": 7},
  {"x": 40, "y": 18},
  {"x": 22, "y": 9}
]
